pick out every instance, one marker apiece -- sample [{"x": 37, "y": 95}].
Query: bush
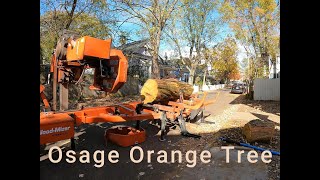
[{"x": 198, "y": 81}]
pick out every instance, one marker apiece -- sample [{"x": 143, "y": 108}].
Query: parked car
[
  {"x": 238, "y": 87},
  {"x": 230, "y": 84}
]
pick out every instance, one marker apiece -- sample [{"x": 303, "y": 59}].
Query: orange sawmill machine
[{"x": 72, "y": 56}]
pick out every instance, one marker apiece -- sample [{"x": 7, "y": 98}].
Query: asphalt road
[
  {"x": 224, "y": 101},
  {"x": 90, "y": 137}
]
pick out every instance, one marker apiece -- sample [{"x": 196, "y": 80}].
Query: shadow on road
[
  {"x": 272, "y": 107},
  {"x": 93, "y": 140}
]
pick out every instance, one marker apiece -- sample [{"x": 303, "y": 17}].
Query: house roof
[
  {"x": 133, "y": 50},
  {"x": 134, "y": 46},
  {"x": 139, "y": 56}
]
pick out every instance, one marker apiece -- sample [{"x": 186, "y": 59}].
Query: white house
[{"x": 274, "y": 68}]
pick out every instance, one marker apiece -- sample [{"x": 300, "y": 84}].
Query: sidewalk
[{"x": 208, "y": 88}]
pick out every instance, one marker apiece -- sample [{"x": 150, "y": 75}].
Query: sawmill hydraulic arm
[{"x": 73, "y": 55}]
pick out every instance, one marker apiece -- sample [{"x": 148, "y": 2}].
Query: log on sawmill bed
[{"x": 164, "y": 90}]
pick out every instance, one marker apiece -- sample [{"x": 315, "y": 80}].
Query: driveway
[{"x": 90, "y": 137}]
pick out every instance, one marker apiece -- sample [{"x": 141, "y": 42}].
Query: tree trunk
[
  {"x": 164, "y": 90},
  {"x": 250, "y": 89},
  {"x": 274, "y": 62},
  {"x": 74, "y": 4},
  {"x": 191, "y": 76},
  {"x": 204, "y": 78},
  {"x": 155, "y": 64}
]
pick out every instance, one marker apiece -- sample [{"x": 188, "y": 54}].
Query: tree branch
[
  {"x": 74, "y": 4},
  {"x": 175, "y": 41}
]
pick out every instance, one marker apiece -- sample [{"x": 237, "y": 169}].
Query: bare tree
[
  {"x": 193, "y": 28},
  {"x": 152, "y": 17}
]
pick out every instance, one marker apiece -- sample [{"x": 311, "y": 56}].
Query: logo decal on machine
[{"x": 54, "y": 130}]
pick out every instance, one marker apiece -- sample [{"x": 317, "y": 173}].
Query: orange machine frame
[
  {"x": 43, "y": 97},
  {"x": 88, "y": 46},
  {"x": 110, "y": 74},
  {"x": 115, "y": 114},
  {"x": 71, "y": 59}
]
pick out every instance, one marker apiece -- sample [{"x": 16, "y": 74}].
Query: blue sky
[{"x": 164, "y": 46}]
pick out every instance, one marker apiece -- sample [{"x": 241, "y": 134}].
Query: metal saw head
[{"x": 74, "y": 54}]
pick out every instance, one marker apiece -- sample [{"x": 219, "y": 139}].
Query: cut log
[
  {"x": 258, "y": 130},
  {"x": 164, "y": 90}
]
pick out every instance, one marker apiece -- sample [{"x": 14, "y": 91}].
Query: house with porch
[{"x": 140, "y": 62}]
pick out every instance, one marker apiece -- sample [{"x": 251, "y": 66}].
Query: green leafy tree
[
  {"x": 224, "y": 60},
  {"x": 192, "y": 28},
  {"x": 255, "y": 24}
]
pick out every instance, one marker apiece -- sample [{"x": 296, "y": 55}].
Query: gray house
[
  {"x": 139, "y": 58},
  {"x": 140, "y": 61}
]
